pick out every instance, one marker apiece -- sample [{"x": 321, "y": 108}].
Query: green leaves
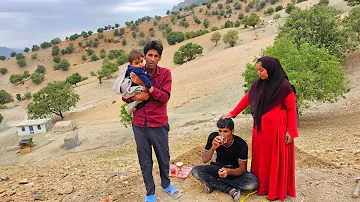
[
  {"x": 75, "y": 78},
  {"x": 353, "y": 2},
  {"x": 320, "y": 26},
  {"x": 352, "y": 20},
  {"x": 125, "y": 118},
  {"x": 55, "y": 98},
  {"x": 37, "y": 78},
  {"x": 175, "y": 37},
  {"x": 5, "y": 97},
  {"x": 187, "y": 52},
  {"x": 231, "y": 37},
  {"x": 63, "y": 64}
]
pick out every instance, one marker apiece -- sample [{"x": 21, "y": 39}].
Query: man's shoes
[
  {"x": 235, "y": 194},
  {"x": 208, "y": 189}
]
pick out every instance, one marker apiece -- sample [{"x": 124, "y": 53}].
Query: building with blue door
[{"x": 31, "y": 127}]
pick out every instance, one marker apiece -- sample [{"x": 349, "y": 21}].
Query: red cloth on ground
[{"x": 273, "y": 161}]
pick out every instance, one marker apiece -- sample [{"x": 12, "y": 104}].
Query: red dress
[{"x": 273, "y": 161}]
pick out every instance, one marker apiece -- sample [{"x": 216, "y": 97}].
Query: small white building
[
  {"x": 64, "y": 126},
  {"x": 30, "y": 127}
]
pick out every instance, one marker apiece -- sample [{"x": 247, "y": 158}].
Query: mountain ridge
[{"x": 187, "y": 3}]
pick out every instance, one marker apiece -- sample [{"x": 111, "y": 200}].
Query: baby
[{"x": 135, "y": 59}]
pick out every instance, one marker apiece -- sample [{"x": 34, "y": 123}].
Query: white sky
[{"x": 24, "y": 23}]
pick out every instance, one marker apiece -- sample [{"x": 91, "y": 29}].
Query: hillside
[
  {"x": 202, "y": 90},
  {"x": 44, "y": 57}
]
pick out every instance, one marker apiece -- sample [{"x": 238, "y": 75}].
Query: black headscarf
[{"x": 266, "y": 94}]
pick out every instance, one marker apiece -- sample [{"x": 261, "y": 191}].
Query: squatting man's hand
[
  {"x": 217, "y": 142},
  {"x": 223, "y": 172}
]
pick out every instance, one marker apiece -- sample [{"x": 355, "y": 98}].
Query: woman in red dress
[{"x": 273, "y": 106}]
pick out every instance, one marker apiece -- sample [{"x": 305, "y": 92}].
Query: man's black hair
[
  {"x": 153, "y": 45},
  {"x": 225, "y": 123}
]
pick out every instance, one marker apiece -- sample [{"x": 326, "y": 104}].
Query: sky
[{"x": 24, "y": 23}]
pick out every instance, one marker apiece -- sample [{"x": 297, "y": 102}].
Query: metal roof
[{"x": 32, "y": 122}]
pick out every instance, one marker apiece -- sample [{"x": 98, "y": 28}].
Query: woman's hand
[
  {"x": 136, "y": 79},
  {"x": 288, "y": 138},
  {"x": 226, "y": 116}
]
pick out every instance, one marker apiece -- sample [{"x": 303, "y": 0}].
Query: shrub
[
  {"x": 141, "y": 42},
  {"x": 269, "y": 11},
  {"x": 93, "y": 57},
  {"x": 175, "y": 37},
  {"x": 187, "y": 52},
  {"x": 196, "y": 19},
  {"x": 278, "y": 8},
  {"x": 18, "y": 96},
  {"x": 96, "y": 44},
  {"x": 35, "y": 48},
  {"x": 34, "y": 56},
  {"x": 321, "y": 26},
  {"x": 3, "y": 70},
  {"x": 75, "y": 78},
  {"x": 20, "y": 56},
  {"x": 55, "y": 41},
  {"x": 89, "y": 43},
  {"x": 21, "y": 63},
  {"x": 26, "y": 49},
  {"x": 214, "y": 29},
  {"x": 90, "y": 51},
  {"x": 16, "y": 78},
  {"x": 57, "y": 59},
  {"x": 102, "y": 53},
  {"x": 231, "y": 37},
  {"x": 5, "y": 97},
  {"x": 289, "y": 8},
  {"x": 252, "y": 20},
  {"x": 229, "y": 24},
  {"x": 45, "y": 45},
  {"x": 13, "y": 54},
  {"x": 277, "y": 16},
  {"x": 40, "y": 69},
  {"x": 63, "y": 64},
  {"x": 83, "y": 57},
  {"x": 27, "y": 95},
  {"x": 55, "y": 50},
  {"x": 237, "y": 6},
  {"x": 215, "y": 37},
  {"x": 206, "y": 23},
  {"x": 37, "y": 78},
  {"x": 122, "y": 59},
  {"x": 69, "y": 48},
  {"x": 26, "y": 74}
]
